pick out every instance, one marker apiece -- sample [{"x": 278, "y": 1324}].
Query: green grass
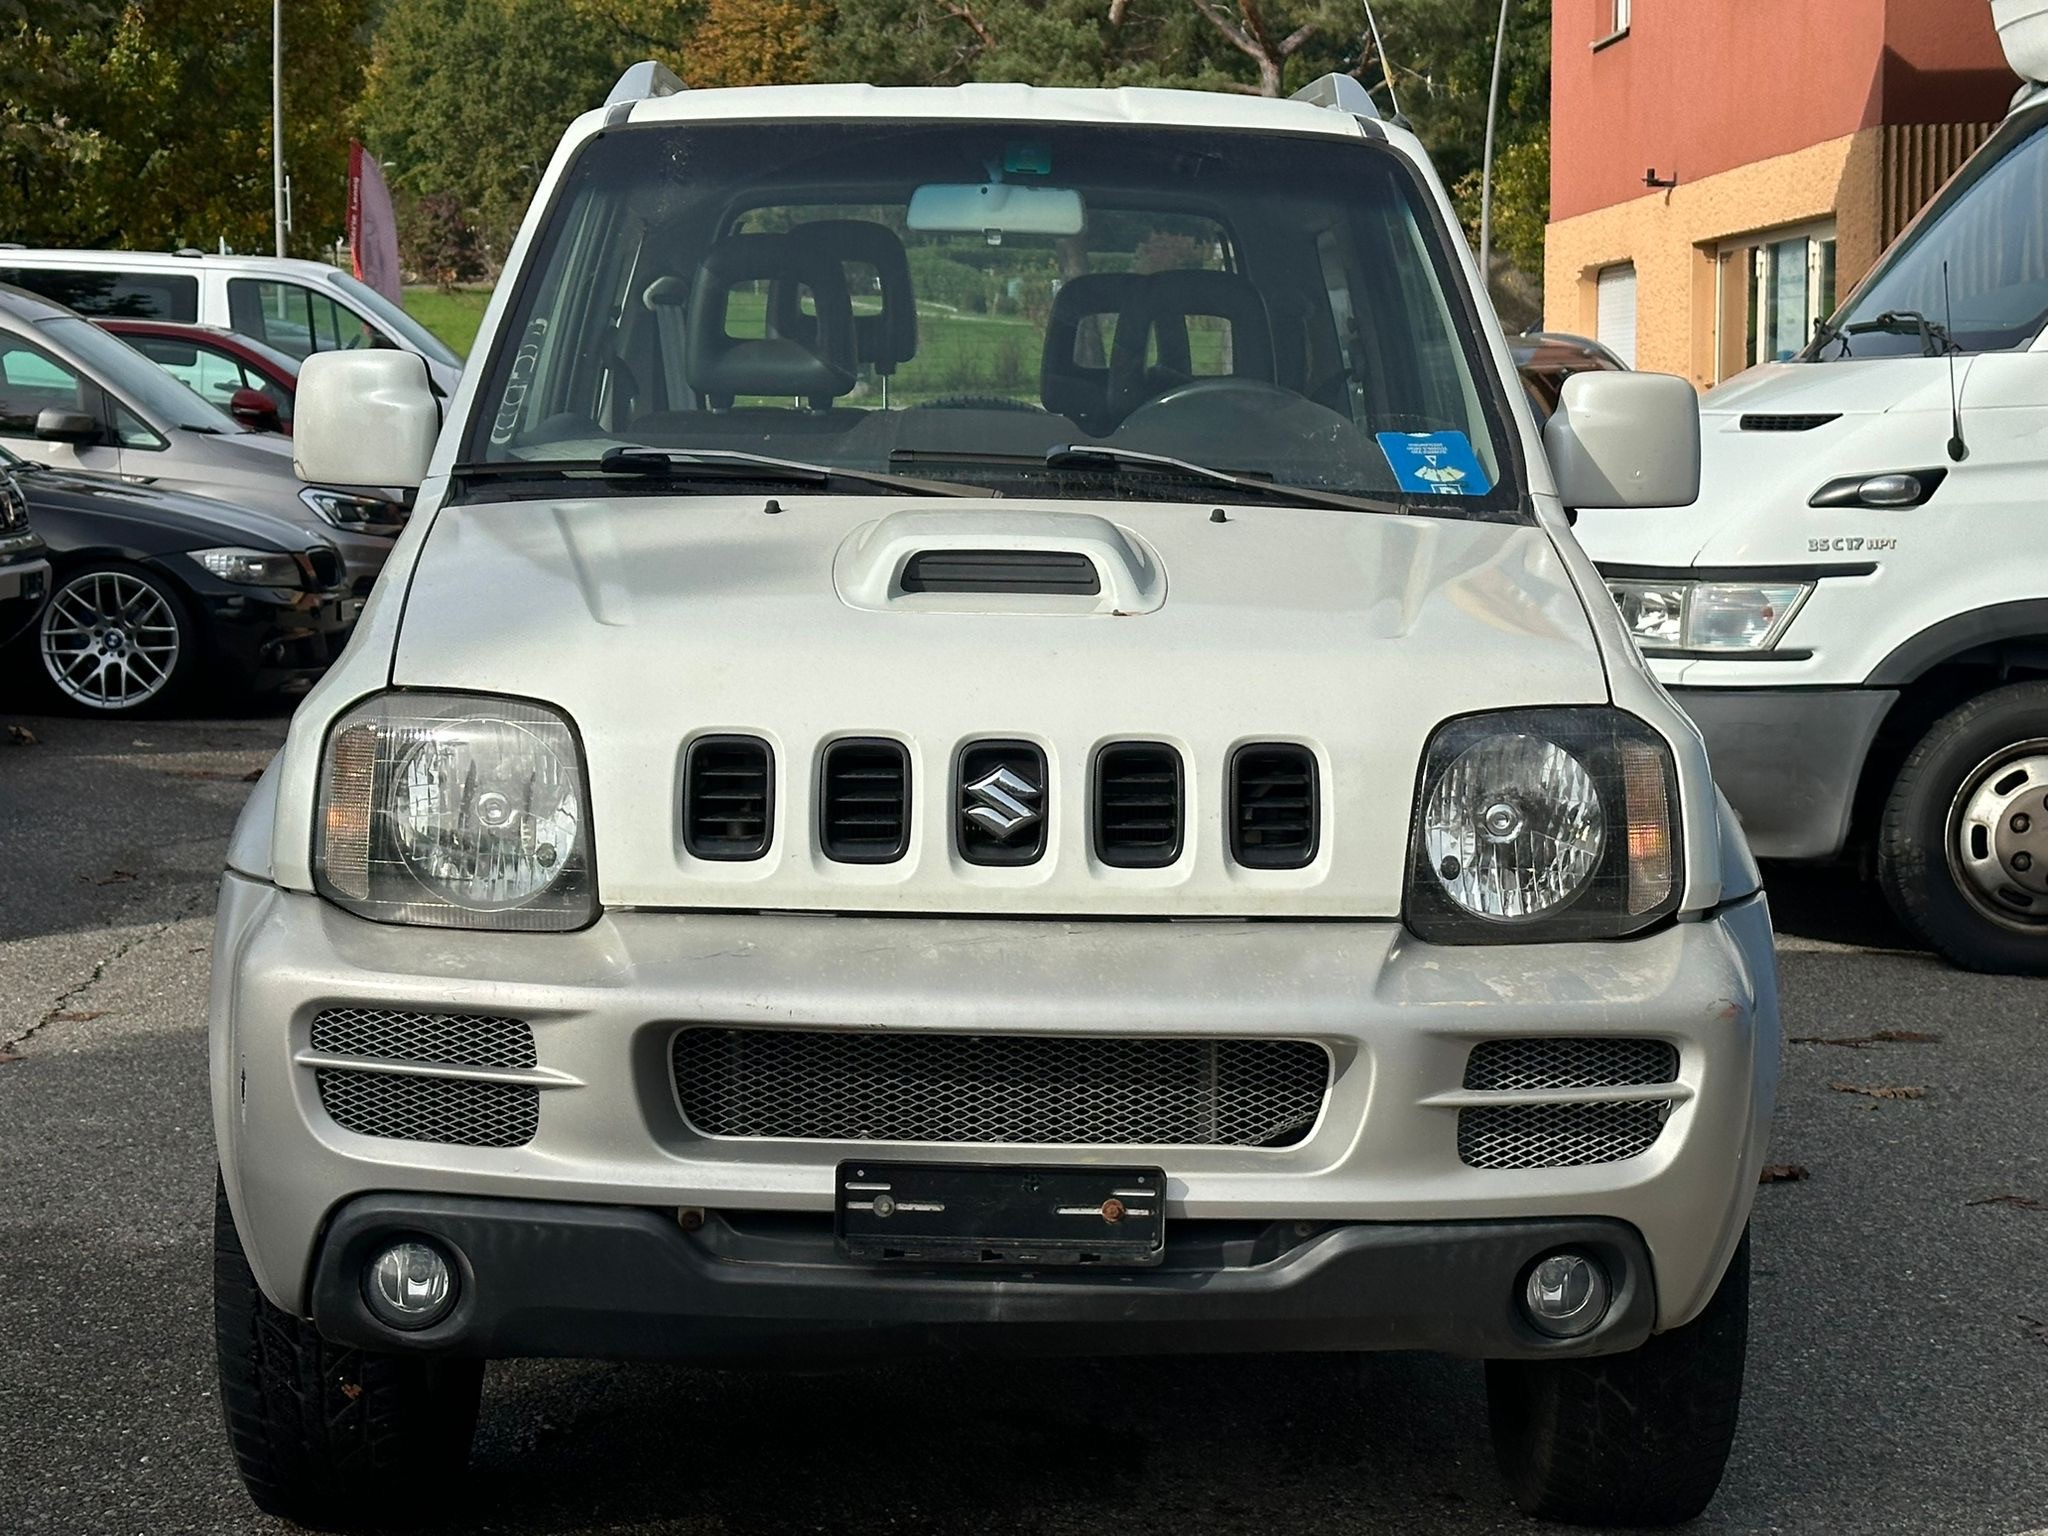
[{"x": 453, "y": 317}]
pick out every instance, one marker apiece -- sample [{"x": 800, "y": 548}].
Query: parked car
[
  {"x": 298, "y": 307},
  {"x": 1850, "y": 612},
  {"x": 252, "y": 382},
  {"x": 1545, "y": 359},
  {"x": 1227, "y": 892},
  {"x": 154, "y": 594},
  {"x": 73, "y": 397},
  {"x": 24, "y": 566}
]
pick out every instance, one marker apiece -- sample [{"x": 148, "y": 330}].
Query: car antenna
[
  {"x": 1958, "y": 450},
  {"x": 1386, "y": 64}
]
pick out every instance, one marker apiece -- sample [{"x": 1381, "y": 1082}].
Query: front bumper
[
  {"x": 263, "y": 638},
  {"x": 1399, "y": 1019},
  {"x": 1789, "y": 759}
]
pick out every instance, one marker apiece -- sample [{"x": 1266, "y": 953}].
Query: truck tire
[
  {"x": 1635, "y": 1439},
  {"x": 1962, "y": 854},
  {"x": 326, "y": 1435}
]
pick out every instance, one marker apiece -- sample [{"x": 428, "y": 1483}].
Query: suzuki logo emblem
[{"x": 1005, "y": 803}]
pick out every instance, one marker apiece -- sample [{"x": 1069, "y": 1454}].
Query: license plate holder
[{"x": 999, "y": 1214}]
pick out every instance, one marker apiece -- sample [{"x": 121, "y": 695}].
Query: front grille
[
  {"x": 1558, "y": 1135},
  {"x": 1137, "y": 805},
  {"x": 452, "y": 1111},
  {"x": 1060, "y": 573},
  {"x": 825, "y": 1085},
  {"x": 728, "y": 797},
  {"x": 1786, "y": 421},
  {"x": 1495, "y": 1065},
  {"x": 864, "y": 801},
  {"x": 324, "y": 566},
  {"x": 1000, "y": 790},
  {"x": 1273, "y": 806},
  {"x": 431, "y": 1039}
]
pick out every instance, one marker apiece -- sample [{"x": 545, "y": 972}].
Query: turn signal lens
[{"x": 1649, "y": 826}]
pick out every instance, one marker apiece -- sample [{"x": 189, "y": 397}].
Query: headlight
[
  {"x": 357, "y": 512},
  {"x": 1708, "y": 615},
  {"x": 1544, "y": 824},
  {"x": 455, "y": 811},
  {"x": 252, "y": 567}
]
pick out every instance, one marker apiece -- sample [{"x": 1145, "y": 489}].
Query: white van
[
  {"x": 1851, "y": 612},
  {"x": 299, "y": 307}
]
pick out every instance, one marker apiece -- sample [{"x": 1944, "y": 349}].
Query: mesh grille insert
[
  {"x": 728, "y": 797},
  {"x": 451, "y": 1111},
  {"x": 437, "y": 1039},
  {"x": 1496, "y": 1065},
  {"x": 820, "y": 1085},
  {"x": 1273, "y": 810},
  {"x": 864, "y": 802},
  {"x": 1137, "y": 805},
  {"x": 1558, "y": 1135}
]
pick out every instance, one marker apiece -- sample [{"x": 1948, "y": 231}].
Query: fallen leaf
[
  {"x": 2035, "y": 1326},
  {"x": 252, "y": 775},
  {"x": 1864, "y": 1042},
  {"x": 22, "y": 736},
  {"x": 117, "y": 877},
  {"x": 1880, "y": 1091},
  {"x": 351, "y": 1390},
  {"x": 7, "y": 1058},
  {"x": 2021, "y": 1202},
  {"x": 77, "y": 1016},
  {"x": 1782, "y": 1173}
]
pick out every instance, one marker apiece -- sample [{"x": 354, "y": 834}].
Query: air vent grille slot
[
  {"x": 426, "y": 1039},
  {"x": 1138, "y": 805},
  {"x": 1787, "y": 421},
  {"x": 1504, "y": 1066},
  {"x": 447, "y": 1110},
  {"x": 1559, "y": 1135},
  {"x": 1274, "y": 810},
  {"x": 1058, "y": 573},
  {"x": 728, "y": 797},
  {"x": 864, "y": 801}
]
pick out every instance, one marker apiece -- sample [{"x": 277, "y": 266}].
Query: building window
[
  {"x": 1792, "y": 289},
  {"x": 1621, "y": 9},
  {"x": 1617, "y": 13},
  {"x": 1614, "y": 324}
]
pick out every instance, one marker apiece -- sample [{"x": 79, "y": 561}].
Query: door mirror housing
[
  {"x": 60, "y": 426},
  {"x": 255, "y": 410},
  {"x": 364, "y": 418},
  {"x": 1625, "y": 440}
]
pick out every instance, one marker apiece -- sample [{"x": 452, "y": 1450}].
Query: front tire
[
  {"x": 1640, "y": 1438},
  {"x": 1962, "y": 854},
  {"x": 327, "y": 1435},
  {"x": 116, "y": 639}
]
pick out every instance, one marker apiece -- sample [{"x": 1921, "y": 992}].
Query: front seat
[
  {"x": 882, "y": 341},
  {"x": 1162, "y": 307},
  {"x": 1080, "y": 391},
  {"x": 720, "y": 366}
]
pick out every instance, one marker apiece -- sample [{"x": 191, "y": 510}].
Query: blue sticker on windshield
[{"x": 1434, "y": 463}]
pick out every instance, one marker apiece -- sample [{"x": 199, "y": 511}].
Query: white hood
[{"x": 652, "y": 620}]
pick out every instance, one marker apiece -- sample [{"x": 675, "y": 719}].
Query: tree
[{"x": 752, "y": 42}]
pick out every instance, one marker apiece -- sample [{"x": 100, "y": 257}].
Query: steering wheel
[
  {"x": 978, "y": 403},
  {"x": 1226, "y": 390}
]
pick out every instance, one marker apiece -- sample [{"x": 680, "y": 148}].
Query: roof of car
[
  {"x": 23, "y": 305},
  {"x": 159, "y": 261},
  {"x": 233, "y": 341}
]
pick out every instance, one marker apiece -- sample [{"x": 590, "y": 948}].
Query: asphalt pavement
[{"x": 1899, "y": 1347}]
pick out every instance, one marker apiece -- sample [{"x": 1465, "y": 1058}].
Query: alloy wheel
[{"x": 110, "y": 640}]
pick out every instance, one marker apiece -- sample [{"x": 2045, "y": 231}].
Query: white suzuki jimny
[{"x": 989, "y": 736}]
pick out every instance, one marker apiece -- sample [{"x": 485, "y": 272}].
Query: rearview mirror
[
  {"x": 1625, "y": 440},
  {"x": 1005, "y": 207},
  {"x": 255, "y": 410},
  {"x": 54, "y": 425},
  {"x": 364, "y": 418}
]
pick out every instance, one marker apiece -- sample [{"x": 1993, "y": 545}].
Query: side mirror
[
  {"x": 60, "y": 426},
  {"x": 255, "y": 410},
  {"x": 1625, "y": 440},
  {"x": 364, "y": 418}
]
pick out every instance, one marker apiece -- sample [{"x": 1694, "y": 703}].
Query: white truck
[
  {"x": 1849, "y": 610},
  {"x": 988, "y": 735}
]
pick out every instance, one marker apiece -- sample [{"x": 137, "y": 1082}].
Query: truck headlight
[
  {"x": 455, "y": 811},
  {"x": 1730, "y": 616},
  {"x": 360, "y": 513},
  {"x": 1544, "y": 824}
]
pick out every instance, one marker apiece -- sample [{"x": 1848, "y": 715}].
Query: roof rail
[
  {"x": 1344, "y": 93},
  {"x": 643, "y": 81}
]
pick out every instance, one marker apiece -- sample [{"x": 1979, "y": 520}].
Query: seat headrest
[
  {"x": 1164, "y": 304},
  {"x": 720, "y": 366},
  {"x": 884, "y": 340},
  {"x": 1077, "y": 390}
]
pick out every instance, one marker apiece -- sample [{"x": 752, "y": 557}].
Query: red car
[{"x": 251, "y": 381}]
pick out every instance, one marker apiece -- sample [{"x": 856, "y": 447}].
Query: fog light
[
  {"x": 1566, "y": 1295},
  {"x": 410, "y": 1285}
]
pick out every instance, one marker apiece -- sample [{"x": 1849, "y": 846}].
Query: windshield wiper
[
  {"x": 711, "y": 463},
  {"x": 1269, "y": 490},
  {"x": 1934, "y": 338}
]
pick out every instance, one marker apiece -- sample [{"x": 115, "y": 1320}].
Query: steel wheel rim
[
  {"x": 109, "y": 640},
  {"x": 1997, "y": 837}
]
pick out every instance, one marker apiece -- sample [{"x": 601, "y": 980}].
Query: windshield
[
  {"x": 140, "y": 383},
  {"x": 393, "y": 319},
  {"x": 963, "y": 300},
  {"x": 1990, "y": 226}
]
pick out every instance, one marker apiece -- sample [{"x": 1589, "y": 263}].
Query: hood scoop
[{"x": 998, "y": 561}]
